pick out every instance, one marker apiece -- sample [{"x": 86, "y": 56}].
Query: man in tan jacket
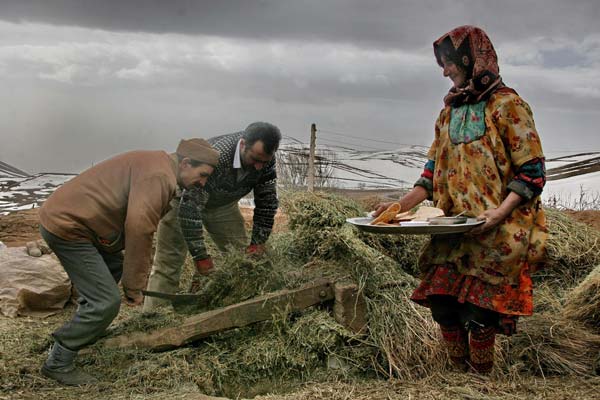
[{"x": 113, "y": 206}]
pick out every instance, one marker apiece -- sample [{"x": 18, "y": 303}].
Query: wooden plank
[
  {"x": 350, "y": 307},
  {"x": 235, "y": 316}
]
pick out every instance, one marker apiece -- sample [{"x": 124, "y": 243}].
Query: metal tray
[
  {"x": 413, "y": 227},
  {"x": 447, "y": 220}
]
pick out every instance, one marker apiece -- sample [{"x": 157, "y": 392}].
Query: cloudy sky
[{"x": 86, "y": 79}]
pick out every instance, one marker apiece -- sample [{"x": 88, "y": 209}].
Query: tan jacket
[{"x": 116, "y": 204}]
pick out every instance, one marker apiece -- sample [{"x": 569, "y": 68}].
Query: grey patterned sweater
[{"x": 223, "y": 188}]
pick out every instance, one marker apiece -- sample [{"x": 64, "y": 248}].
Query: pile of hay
[
  {"x": 281, "y": 355},
  {"x": 403, "y": 249},
  {"x": 573, "y": 250},
  {"x": 548, "y": 344},
  {"x": 402, "y": 340},
  {"x": 583, "y": 302},
  {"x": 295, "y": 347},
  {"x": 403, "y": 335}
]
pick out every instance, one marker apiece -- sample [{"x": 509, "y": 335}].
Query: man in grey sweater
[{"x": 246, "y": 163}]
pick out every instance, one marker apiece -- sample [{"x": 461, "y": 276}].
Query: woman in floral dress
[{"x": 486, "y": 160}]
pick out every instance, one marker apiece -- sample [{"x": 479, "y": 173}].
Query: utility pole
[{"x": 311, "y": 158}]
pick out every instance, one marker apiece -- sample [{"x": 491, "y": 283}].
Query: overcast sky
[{"x": 83, "y": 80}]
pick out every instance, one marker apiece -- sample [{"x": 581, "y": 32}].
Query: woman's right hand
[{"x": 381, "y": 207}]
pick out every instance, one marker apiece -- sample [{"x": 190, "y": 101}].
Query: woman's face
[{"x": 457, "y": 75}]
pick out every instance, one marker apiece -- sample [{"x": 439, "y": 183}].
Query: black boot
[{"x": 59, "y": 366}]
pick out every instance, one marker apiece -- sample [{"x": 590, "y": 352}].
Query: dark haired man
[
  {"x": 88, "y": 221},
  {"x": 246, "y": 163}
]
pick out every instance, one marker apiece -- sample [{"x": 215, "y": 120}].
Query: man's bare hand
[{"x": 133, "y": 297}]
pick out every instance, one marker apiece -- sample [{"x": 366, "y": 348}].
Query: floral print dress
[{"x": 480, "y": 153}]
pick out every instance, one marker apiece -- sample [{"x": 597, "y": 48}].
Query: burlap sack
[{"x": 35, "y": 286}]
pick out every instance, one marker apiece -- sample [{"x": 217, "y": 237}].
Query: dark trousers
[
  {"x": 95, "y": 275},
  {"x": 447, "y": 311},
  {"x": 469, "y": 332}
]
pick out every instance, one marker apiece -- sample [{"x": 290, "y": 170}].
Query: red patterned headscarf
[{"x": 470, "y": 48}]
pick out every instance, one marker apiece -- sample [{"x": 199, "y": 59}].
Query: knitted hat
[{"x": 198, "y": 150}]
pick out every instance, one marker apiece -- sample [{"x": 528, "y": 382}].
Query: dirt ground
[
  {"x": 20, "y": 227},
  {"x": 589, "y": 217}
]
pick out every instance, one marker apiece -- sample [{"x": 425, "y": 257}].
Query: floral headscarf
[{"x": 470, "y": 48}]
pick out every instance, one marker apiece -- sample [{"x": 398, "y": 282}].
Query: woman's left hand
[{"x": 492, "y": 217}]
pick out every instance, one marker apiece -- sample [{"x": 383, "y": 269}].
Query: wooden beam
[
  {"x": 235, "y": 316},
  {"x": 350, "y": 307}
]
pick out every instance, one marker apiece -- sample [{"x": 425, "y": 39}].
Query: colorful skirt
[{"x": 504, "y": 299}]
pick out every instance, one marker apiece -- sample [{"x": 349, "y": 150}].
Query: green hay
[
  {"x": 403, "y": 249},
  {"x": 238, "y": 278},
  {"x": 401, "y": 334},
  {"x": 146, "y": 322},
  {"x": 290, "y": 349}
]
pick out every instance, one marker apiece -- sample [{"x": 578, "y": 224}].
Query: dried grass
[
  {"x": 309, "y": 355},
  {"x": 573, "y": 250},
  {"x": 449, "y": 386},
  {"x": 583, "y": 302}
]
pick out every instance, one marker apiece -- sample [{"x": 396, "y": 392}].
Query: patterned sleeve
[
  {"x": 190, "y": 219},
  {"x": 517, "y": 129},
  {"x": 266, "y": 203},
  {"x": 530, "y": 179},
  {"x": 426, "y": 178}
]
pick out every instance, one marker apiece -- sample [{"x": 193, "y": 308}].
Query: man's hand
[
  {"x": 205, "y": 266},
  {"x": 256, "y": 250},
  {"x": 133, "y": 297}
]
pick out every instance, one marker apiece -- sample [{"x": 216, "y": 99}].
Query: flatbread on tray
[
  {"x": 422, "y": 214},
  {"x": 388, "y": 215}
]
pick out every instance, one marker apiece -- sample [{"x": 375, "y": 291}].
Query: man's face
[
  {"x": 254, "y": 156},
  {"x": 190, "y": 176}
]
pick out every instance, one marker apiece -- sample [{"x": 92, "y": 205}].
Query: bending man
[
  {"x": 246, "y": 163},
  {"x": 88, "y": 221}
]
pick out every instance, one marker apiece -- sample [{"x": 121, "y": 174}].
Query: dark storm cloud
[
  {"x": 94, "y": 78},
  {"x": 389, "y": 23}
]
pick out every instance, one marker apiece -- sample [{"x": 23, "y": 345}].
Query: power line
[
  {"x": 344, "y": 145},
  {"x": 361, "y": 138}
]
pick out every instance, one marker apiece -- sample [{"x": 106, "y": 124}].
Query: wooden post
[
  {"x": 350, "y": 307},
  {"x": 311, "y": 158}
]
